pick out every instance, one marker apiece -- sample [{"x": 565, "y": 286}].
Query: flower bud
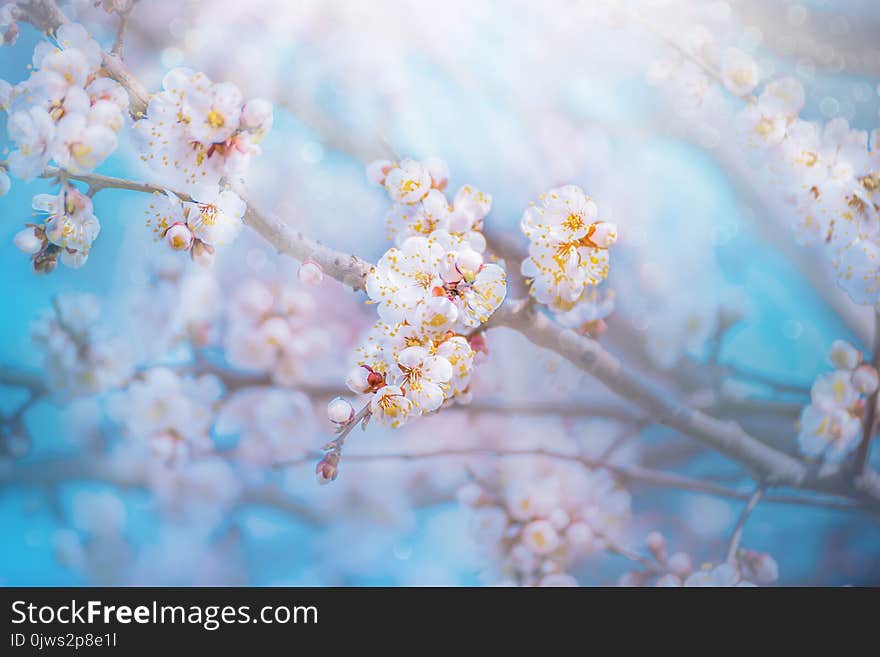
[
  {"x": 603, "y": 234},
  {"x": 377, "y": 170},
  {"x": 256, "y": 115},
  {"x": 844, "y": 356},
  {"x": 179, "y": 237},
  {"x": 202, "y": 253},
  {"x": 5, "y": 183},
  {"x": 357, "y": 379},
  {"x": 468, "y": 263},
  {"x": 579, "y": 534},
  {"x": 758, "y": 567},
  {"x": 340, "y": 411},
  {"x": 375, "y": 380},
  {"x": 559, "y": 518},
  {"x": 26, "y": 241},
  {"x": 448, "y": 269},
  {"x": 656, "y": 543},
  {"x": 865, "y": 379},
  {"x": 439, "y": 172},
  {"x": 680, "y": 564},
  {"x": 327, "y": 469},
  {"x": 310, "y": 273},
  {"x": 470, "y": 494},
  {"x": 478, "y": 343}
]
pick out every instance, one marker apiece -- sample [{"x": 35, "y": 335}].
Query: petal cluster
[{"x": 568, "y": 250}]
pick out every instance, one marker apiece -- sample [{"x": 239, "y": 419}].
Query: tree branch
[
  {"x": 627, "y": 473},
  {"x": 736, "y": 536}
]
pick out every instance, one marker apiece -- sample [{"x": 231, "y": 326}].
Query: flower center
[
  {"x": 573, "y": 222},
  {"x": 215, "y": 119}
]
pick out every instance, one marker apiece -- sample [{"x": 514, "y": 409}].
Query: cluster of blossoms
[
  {"x": 171, "y": 413},
  {"x": 66, "y": 112},
  {"x": 747, "y": 568},
  {"x": 419, "y": 204},
  {"x": 568, "y": 250},
  {"x": 95, "y": 545},
  {"x": 197, "y": 227},
  {"x": 831, "y": 173},
  {"x": 195, "y": 134},
  {"x": 78, "y": 359},
  {"x": 432, "y": 293},
  {"x": 536, "y": 518},
  {"x": 271, "y": 327},
  {"x": 66, "y": 231},
  {"x": 831, "y": 425}
]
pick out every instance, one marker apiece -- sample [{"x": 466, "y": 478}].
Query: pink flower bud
[
  {"x": 758, "y": 567},
  {"x": 680, "y": 564},
  {"x": 340, "y": 411},
  {"x": 656, "y": 543},
  {"x": 179, "y": 237},
  {"x": 376, "y": 171},
  {"x": 27, "y": 241},
  {"x": 478, "y": 343},
  {"x": 327, "y": 469},
  {"x": 439, "y": 172},
  {"x": 310, "y": 273},
  {"x": 865, "y": 379},
  {"x": 256, "y": 115}
]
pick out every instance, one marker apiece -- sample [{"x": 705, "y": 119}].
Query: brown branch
[
  {"x": 627, "y": 473},
  {"x": 53, "y": 472}
]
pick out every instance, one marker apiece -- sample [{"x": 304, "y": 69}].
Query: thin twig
[
  {"x": 124, "y": 17},
  {"x": 736, "y": 536}
]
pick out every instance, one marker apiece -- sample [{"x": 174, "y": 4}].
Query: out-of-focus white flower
[
  {"x": 844, "y": 356},
  {"x": 723, "y": 575},
  {"x": 540, "y": 537},
  {"x": 739, "y": 71},
  {"x": 558, "y": 580},
  {"x": 377, "y": 170},
  {"x": 865, "y": 379},
  {"x": 828, "y": 432},
  {"x": 5, "y": 183}
]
